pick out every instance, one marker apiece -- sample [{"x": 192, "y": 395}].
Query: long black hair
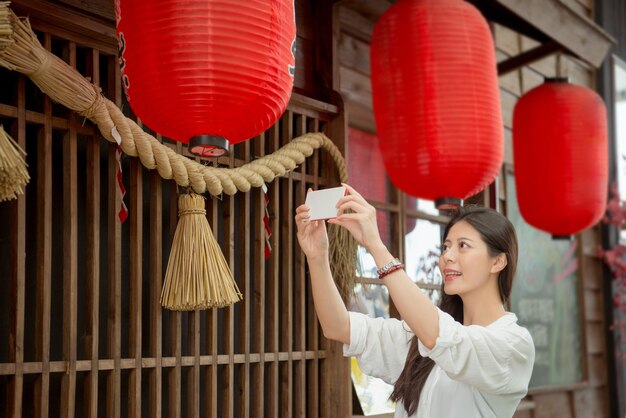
[{"x": 499, "y": 235}]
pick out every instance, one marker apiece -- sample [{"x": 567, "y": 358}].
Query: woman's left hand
[{"x": 362, "y": 223}]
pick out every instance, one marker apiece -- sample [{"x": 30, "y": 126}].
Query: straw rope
[
  {"x": 21, "y": 51},
  {"x": 13, "y": 173}
]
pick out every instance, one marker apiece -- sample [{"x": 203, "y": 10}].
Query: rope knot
[{"x": 191, "y": 211}]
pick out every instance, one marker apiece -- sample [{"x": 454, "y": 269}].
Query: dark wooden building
[{"x": 82, "y": 332}]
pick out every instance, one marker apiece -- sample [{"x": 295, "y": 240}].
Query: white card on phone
[{"x": 323, "y": 203}]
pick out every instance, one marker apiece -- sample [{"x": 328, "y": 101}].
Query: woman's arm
[
  {"x": 331, "y": 311},
  {"x": 414, "y": 306}
]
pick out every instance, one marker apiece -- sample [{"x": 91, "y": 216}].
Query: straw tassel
[
  {"x": 13, "y": 173},
  {"x": 197, "y": 275}
]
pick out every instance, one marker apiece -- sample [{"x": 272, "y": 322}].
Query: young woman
[{"x": 466, "y": 358}]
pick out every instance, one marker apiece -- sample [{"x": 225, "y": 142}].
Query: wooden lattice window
[{"x": 81, "y": 329}]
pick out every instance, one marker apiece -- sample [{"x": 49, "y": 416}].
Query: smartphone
[{"x": 323, "y": 203}]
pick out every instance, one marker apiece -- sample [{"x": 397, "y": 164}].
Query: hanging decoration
[
  {"x": 436, "y": 99},
  {"x": 266, "y": 223},
  {"x": 197, "y": 275},
  {"x": 21, "y": 51},
  {"x": 207, "y": 73},
  {"x": 13, "y": 173},
  {"x": 560, "y": 151}
]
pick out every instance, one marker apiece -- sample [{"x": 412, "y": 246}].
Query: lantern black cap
[
  {"x": 448, "y": 203},
  {"x": 208, "y": 145},
  {"x": 562, "y": 237},
  {"x": 556, "y": 79}
]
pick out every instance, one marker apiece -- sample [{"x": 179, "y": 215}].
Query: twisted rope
[{"x": 21, "y": 51}]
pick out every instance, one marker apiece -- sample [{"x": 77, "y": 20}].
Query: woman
[{"x": 465, "y": 358}]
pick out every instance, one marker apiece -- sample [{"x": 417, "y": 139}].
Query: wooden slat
[
  {"x": 114, "y": 290},
  {"x": 193, "y": 377},
  {"x": 135, "y": 285},
  {"x": 211, "y": 332},
  {"x": 165, "y": 362},
  {"x": 92, "y": 259},
  {"x": 286, "y": 278},
  {"x": 258, "y": 303},
  {"x": 156, "y": 278},
  {"x": 336, "y": 394},
  {"x": 70, "y": 261},
  {"x": 175, "y": 373},
  {"x": 175, "y": 331},
  {"x": 44, "y": 253},
  {"x": 356, "y": 87},
  {"x": 373, "y": 9},
  {"x": 355, "y": 23},
  {"x": 354, "y": 54},
  {"x": 18, "y": 273},
  {"x": 114, "y": 265},
  {"x": 228, "y": 371},
  {"x": 245, "y": 225},
  {"x": 300, "y": 294},
  {"x": 37, "y": 118},
  {"x": 69, "y": 24},
  {"x": 273, "y": 297},
  {"x": 312, "y": 322}
]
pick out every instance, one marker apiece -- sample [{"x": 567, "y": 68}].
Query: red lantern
[
  {"x": 206, "y": 72},
  {"x": 436, "y": 99},
  {"x": 560, "y": 153}
]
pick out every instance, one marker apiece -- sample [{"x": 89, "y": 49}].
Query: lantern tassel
[
  {"x": 197, "y": 275},
  {"x": 13, "y": 173}
]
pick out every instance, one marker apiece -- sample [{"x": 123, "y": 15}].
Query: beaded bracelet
[
  {"x": 393, "y": 265},
  {"x": 391, "y": 270}
]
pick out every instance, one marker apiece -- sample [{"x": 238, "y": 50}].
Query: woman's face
[{"x": 465, "y": 263}]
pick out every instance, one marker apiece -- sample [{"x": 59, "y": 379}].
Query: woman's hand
[
  {"x": 362, "y": 223},
  {"x": 311, "y": 234}
]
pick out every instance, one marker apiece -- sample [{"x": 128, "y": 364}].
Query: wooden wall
[{"x": 357, "y": 19}]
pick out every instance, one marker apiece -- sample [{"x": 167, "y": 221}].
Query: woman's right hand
[{"x": 311, "y": 235}]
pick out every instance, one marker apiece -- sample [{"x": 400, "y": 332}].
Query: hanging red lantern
[
  {"x": 207, "y": 73},
  {"x": 560, "y": 151},
  {"x": 436, "y": 99}
]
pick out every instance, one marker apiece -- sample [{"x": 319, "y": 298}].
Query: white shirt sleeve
[
  {"x": 495, "y": 359},
  {"x": 380, "y": 345}
]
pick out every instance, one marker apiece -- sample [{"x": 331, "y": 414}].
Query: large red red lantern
[
  {"x": 210, "y": 73},
  {"x": 436, "y": 99},
  {"x": 560, "y": 150}
]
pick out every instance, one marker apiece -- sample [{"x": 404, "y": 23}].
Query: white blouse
[{"x": 479, "y": 371}]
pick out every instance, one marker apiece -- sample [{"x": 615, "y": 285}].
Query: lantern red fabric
[
  {"x": 560, "y": 151},
  {"x": 207, "y": 69},
  {"x": 436, "y": 99}
]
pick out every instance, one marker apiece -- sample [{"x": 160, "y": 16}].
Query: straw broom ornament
[
  {"x": 197, "y": 275},
  {"x": 13, "y": 173}
]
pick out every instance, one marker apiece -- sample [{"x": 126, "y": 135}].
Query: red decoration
[
  {"x": 207, "y": 72},
  {"x": 436, "y": 99},
  {"x": 560, "y": 150},
  {"x": 366, "y": 171}
]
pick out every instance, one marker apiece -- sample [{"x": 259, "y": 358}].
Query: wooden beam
[
  {"x": 355, "y": 24},
  {"x": 546, "y": 20},
  {"x": 527, "y": 57},
  {"x": 69, "y": 23},
  {"x": 370, "y": 8}
]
